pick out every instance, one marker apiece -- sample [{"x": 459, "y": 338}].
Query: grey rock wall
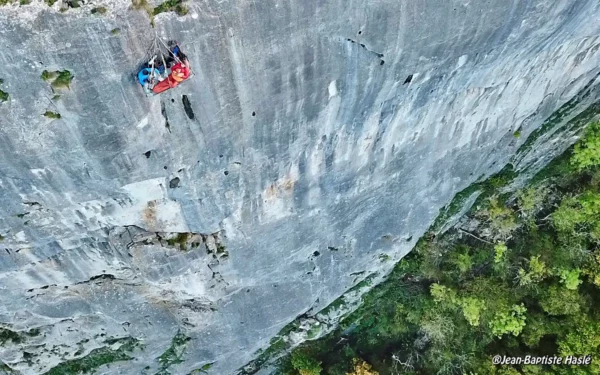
[{"x": 318, "y": 136}]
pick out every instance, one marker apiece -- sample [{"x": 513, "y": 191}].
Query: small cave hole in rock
[
  {"x": 316, "y": 253},
  {"x": 147, "y": 154},
  {"x": 253, "y": 114},
  {"x": 408, "y": 79},
  {"x": 226, "y": 173},
  {"x": 220, "y": 156},
  {"x": 381, "y": 62},
  {"x": 172, "y": 100},
  {"x": 187, "y": 106},
  {"x": 165, "y": 167},
  {"x": 180, "y": 170},
  {"x": 174, "y": 183},
  {"x": 359, "y": 32}
]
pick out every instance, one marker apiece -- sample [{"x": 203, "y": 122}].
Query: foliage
[
  {"x": 6, "y": 335},
  {"x": 176, "y": 6},
  {"x": 52, "y": 115},
  {"x": 174, "y": 353},
  {"x": 305, "y": 364},
  {"x": 58, "y": 79},
  {"x": 96, "y": 358},
  {"x": 179, "y": 240},
  {"x": 579, "y": 216},
  {"x": 570, "y": 278},
  {"x": 362, "y": 368},
  {"x": 587, "y": 150},
  {"x": 500, "y": 252},
  {"x": 560, "y": 301},
  {"x": 63, "y": 79},
  {"x": 142, "y": 4},
  {"x": 535, "y": 273},
  {"x": 511, "y": 321},
  {"x": 99, "y": 10},
  {"x": 472, "y": 308},
  {"x": 3, "y": 96},
  {"x": 46, "y": 75},
  {"x": 501, "y": 218}
]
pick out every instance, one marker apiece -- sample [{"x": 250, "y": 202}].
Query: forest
[{"x": 518, "y": 276}]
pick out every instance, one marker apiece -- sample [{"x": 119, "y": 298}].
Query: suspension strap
[{"x": 168, "y": 49}]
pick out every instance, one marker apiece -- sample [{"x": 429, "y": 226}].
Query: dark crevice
[
  {"x": 187, "y": 106},
  {"x": 174, "y": 183},
  {"x": 147, "y": 154},
  {"x": 163, "y": 112},
  {"x": 408, "y": 79},
  {"x": 101, "y": 277},
  {"x": 104, "y": 276}
]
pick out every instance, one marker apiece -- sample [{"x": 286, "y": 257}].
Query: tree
[
  {"x": 511, "y": 321},
  {"x": 587, "y": 151},
  {"x": 579, "y": 216},
  {"x": 500, "y": 252},
  {"x": 471, "y": 308},
  {"x": 570, "y": 278},
  {"x": 361, "y": 368},
  {"x": 560, "y": 301},
  {"x": 305, "y": 364},
  {"x": 501, "y": 219},
  {"x": 535, "y": 273}
]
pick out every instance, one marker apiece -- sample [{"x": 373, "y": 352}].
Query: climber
[{"x": 179, "y": 73}]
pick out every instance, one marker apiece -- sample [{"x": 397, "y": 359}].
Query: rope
[
  {"x": 176, "y": 58},
  {"x": 165, "y": 67},
  {"x": 168, "y": 49}
]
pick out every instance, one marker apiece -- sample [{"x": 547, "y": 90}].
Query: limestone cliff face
[{"x": 314, "y": 144}]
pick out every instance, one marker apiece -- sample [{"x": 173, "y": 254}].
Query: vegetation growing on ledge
[
  {"x": 6, "y": 335},
  {"x": 179, "y": 240},
  {"x": 97, "y": 357},
  {"x": 525, "y": 280},
  {"x": 58, "y": 79},
  {"x": 99, "y": 10},
  {"x": 485, "y": 189},
  {"x": 176, "y": 6},
  {"x": 174, "y": 354},
  {"x": 52, "y": 115},
  {"x": 143, "y": 5},
  {"x": 3, "y": 96}
]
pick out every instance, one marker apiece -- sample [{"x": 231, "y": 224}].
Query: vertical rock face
[{"x": 311, "y": 148}]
